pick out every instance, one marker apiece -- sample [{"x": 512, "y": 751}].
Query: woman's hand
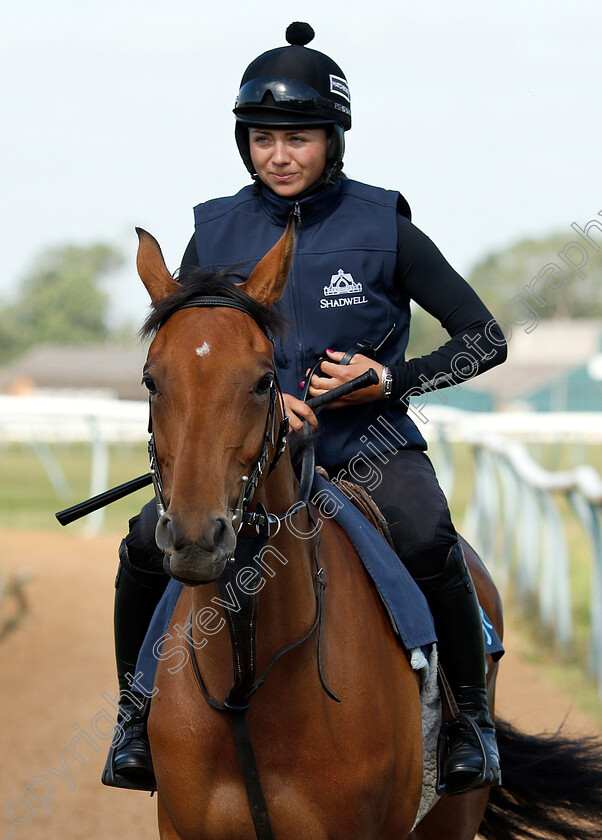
[
  {"x": 297, "y": 412},
  {"x": 336, "y": 375}
]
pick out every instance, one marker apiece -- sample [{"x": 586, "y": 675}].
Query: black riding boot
[
  {"x": 129, "y": 763},
  {"x": 468, "y": 753}
]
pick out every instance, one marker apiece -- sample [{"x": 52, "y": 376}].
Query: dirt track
[{"x": 56, "y": 665}]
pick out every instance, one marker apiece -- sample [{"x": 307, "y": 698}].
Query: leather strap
[
  {"x": 348, "y": 356},
  {"x": 248, "y": 766},
  {"x": 450, "y": 700},
  {"x": 366, "y": 348}
]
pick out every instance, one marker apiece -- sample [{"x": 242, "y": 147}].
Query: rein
[{"x": 244, "y": 685}]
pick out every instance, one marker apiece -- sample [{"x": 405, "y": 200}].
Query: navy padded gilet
[{"x": 340, "y": 290}]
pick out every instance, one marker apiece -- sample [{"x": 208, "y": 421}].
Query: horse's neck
[{"x": 288, "y": 597}]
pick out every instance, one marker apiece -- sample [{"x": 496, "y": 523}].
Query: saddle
[{"x": 364, "y": 502}]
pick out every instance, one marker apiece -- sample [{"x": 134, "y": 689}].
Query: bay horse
[{"x": 318, "y": 769}]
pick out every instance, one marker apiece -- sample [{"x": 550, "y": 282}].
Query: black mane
[{"x": 197, "y": 282}]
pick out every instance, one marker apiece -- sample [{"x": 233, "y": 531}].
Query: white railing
[
  {"x": 42, "y": 420},
  {"x": 519, "y": 513},
  {"x": 72, "y": 419},
  {"x": 516, "y": 518}
]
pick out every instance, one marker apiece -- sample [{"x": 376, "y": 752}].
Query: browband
[{"x": 223, "y": 302}]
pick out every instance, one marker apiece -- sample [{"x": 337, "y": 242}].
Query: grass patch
[{"x": 29, "y": 501}]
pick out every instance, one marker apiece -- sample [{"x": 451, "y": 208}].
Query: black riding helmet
[{"x": 294, "y": 87}]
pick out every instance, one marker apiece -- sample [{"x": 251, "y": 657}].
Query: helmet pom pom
[{"x": 299, "y": 33}]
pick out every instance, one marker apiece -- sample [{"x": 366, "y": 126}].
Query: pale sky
[{"x": 487, "y": 116}]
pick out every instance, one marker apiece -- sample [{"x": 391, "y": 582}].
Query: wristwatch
[{"x": 386, "y": 379}]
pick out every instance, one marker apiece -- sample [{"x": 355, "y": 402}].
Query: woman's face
[{"x": 288, "y": 161}]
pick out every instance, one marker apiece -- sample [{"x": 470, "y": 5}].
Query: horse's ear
[
  {"x": 268, "y": 278},
  {"x": 152, "y": 269}
]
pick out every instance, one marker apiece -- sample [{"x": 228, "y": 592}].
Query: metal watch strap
[{"x": 386, "y": 379}]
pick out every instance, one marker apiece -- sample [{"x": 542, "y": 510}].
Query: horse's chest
[{"x": 318, "y": 783}]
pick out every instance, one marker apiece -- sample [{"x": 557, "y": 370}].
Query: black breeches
[{"x": 406, "y": 490}]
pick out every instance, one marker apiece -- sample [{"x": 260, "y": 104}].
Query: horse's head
[{"x": 210, "y": 376}]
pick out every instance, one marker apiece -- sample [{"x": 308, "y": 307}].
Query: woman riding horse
[{"x": 358, "y": 263}]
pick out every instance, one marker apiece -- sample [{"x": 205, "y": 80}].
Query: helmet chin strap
[
  {"x": 334, "y": 154},
  {"x": 332, "y": 172}
]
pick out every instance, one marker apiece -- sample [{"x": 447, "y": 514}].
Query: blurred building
[
  {"x": 109, "y": 370},
  {"x": 556, "y": 367}
]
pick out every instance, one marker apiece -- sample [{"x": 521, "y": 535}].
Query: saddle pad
[{"x": 403, "y": 601}]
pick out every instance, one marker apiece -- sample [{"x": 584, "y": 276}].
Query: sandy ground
[{"x": 57, "y": 672}]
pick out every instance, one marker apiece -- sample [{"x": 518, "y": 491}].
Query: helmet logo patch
[{"x": 340, "y": 87}]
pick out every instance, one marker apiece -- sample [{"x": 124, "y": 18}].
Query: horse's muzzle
[{"x": 194, "y": 559}]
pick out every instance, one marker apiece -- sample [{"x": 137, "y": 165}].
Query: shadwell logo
[{"x": 342, "y": 283}]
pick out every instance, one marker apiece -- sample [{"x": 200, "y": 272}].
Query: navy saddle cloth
[{"x": 402, "y": 599}]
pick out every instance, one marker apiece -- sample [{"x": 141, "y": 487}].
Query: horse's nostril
[
  {"x": 223, "y": 535},
  {"x": 216, "y": 536},
  {"x": 220, "y": 530},
  {"x": 164, "y": 533}
]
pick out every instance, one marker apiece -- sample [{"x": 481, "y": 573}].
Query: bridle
[{"x": 240, "y": 516}]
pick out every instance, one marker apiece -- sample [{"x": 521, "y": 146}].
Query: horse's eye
[
  {"x": 265, "y": 383},
  {"x": 149, "y": 383}
]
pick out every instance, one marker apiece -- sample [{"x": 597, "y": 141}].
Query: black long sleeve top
[{"x": 476, "y": 342}]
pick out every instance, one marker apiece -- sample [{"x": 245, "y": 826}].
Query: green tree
[
  {"x": 61, "y": 300},
  {"x": 501, "y": 276}
]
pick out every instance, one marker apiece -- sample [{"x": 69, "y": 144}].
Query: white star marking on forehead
[{"x": 203, "y": 350}]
